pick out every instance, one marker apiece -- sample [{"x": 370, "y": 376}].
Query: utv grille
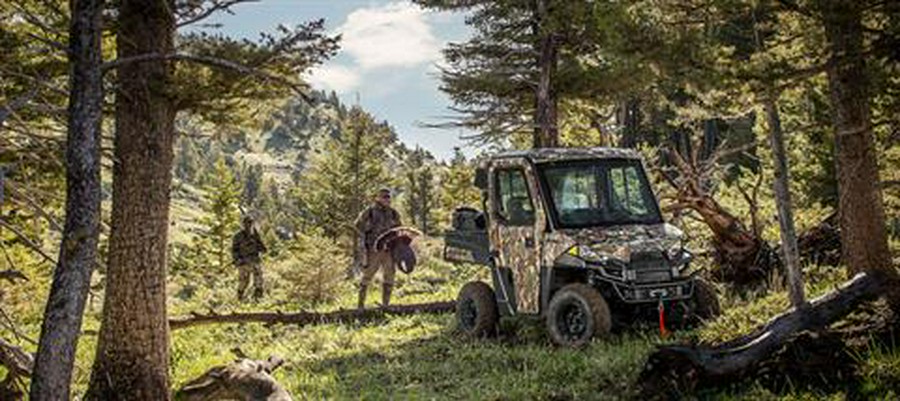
[{"x": 650, "y": 267}]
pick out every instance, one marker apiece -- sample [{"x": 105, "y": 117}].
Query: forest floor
[{"x": 421, "y": 357}]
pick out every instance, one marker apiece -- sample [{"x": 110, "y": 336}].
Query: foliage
[
  {"x": 343, "y": 176},
  {"x": 419, "y": 185},
  {"x": 315, "y": 270},
  {"x": 222, "y": 219}
]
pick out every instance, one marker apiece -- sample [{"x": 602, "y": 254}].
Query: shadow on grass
[{"x": 447, "y": 366}]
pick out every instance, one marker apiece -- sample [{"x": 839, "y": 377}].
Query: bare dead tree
[
  {"x": 789, "y": 251},
  {"x": 742, "y": 256}
]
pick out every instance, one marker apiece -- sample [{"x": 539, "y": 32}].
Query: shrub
[{"x": 314, "y": 270}]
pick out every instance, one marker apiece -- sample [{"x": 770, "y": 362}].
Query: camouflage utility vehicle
[{"x": 576, "y": 236}]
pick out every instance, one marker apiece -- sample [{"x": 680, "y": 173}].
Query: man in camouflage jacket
[
  {"x": 371, "y": 223},
  {"x": 246, "y": 248}
]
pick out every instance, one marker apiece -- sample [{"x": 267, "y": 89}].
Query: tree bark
[
  {"x": 863, "y": 233},
  {"x": 546, "y": 132},
  {"x": 78, "y": 249},
  {"x": 790, "y": 253},
  {"x": 132, "y": 350}
]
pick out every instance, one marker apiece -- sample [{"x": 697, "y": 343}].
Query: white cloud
[
  {"x": 338, "y": 78},
  {"x": 394, "y": 35}
]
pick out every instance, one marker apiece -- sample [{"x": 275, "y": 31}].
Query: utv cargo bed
[{"x": 467, "y": 241}]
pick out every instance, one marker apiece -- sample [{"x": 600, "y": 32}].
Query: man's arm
[
  {"x": 262, "y": 245},
  {"x": 234, "y": 248}
]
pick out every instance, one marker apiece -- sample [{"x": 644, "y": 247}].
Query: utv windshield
[{"x": 599, "y": 193}]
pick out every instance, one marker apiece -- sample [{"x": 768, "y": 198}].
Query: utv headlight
[
  {"x": 586, "y": 254},
  {"x": 677, "y": 254}
]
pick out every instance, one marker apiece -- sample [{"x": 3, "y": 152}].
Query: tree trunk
[
  {"x": 132, "y": 350},
  {"x": 78, "y": 248},
  {"x": 789, "y": 252},
  {"x": 863, "y": 234},
  {"x": 546, "y": 132}
]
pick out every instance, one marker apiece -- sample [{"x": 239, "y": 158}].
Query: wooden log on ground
[
  {"x": 244, "y": 379},
  {"x": 312, "y": 318},
  {"x": 680, "y": 369}
]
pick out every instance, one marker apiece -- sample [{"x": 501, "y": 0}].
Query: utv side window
[
  {"x": 514, "y": 204},
  {"x": 628, "y": 192}
]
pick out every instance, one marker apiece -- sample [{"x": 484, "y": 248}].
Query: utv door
[{"x": 514, "y": 229}]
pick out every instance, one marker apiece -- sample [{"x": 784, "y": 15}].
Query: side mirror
[{"x": 481, "y": 179}]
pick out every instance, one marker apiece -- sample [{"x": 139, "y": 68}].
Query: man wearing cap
[
  {"x": 371, "y": 223},
  {"x": 246, "y": 247}
]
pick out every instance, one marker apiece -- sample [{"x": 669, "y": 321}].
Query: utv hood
[{"x": 620, "y": 242}]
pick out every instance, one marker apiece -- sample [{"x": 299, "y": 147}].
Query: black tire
[
  {"x": 476, "y": 310},
  {"x": 576, "y": 314},
  {"x": 704, "y": 303}
]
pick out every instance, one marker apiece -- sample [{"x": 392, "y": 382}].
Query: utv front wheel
[
  {"x": 476, "y": 310},
  {"x": 577, "y": 313}
]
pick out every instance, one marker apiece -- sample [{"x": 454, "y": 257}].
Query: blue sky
[{"x": 388, "y": 58}]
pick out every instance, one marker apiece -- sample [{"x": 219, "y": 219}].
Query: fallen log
[
  {"x": 312, "y": 318},
  {"x": 682, "y": 369},
  {"x": 243, "y": 379}
]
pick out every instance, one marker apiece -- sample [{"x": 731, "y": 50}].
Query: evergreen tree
[
  {"x": 419, "y": 187},
  {"x": 344, "y": 174},
  {"x": 222, "y": 216},
  {"x": 528, "y": 59},
  {"x": 458, "y": 183}
]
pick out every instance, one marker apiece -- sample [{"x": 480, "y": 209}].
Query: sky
[{"x": 390, "y": 50}]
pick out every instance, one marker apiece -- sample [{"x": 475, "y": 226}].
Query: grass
[{"x": 422, "y": 357}]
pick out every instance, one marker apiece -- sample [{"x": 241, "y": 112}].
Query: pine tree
[
  {"x": 458, "y": 183},
  {"x": 526, "y": 60},
  {"x": 419, "y": 187},
  {"x": 344, "y": 173},
  {"x": 222, "y": 216}
]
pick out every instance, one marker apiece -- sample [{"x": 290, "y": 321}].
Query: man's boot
[
  {"x": 362, "y": 296},
  {"x": 386, "y": 294}
]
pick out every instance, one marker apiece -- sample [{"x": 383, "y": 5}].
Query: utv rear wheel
[
  {"x": 476, "y": 310},
  {"x": 577, "y": 313}
]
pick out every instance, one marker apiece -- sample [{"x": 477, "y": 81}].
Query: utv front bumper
[{"x": 637, "y": 292}]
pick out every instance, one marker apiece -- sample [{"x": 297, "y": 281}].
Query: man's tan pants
[{"x": 244, "y": 272}]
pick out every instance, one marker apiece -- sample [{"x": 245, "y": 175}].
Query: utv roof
[{"x": 553, "y": 154}]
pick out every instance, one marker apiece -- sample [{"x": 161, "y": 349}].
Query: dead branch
[
  {"x": 28, "y": 242},
  {"x": 18, "y": 364},
  {"x": 299, "y": 88},
  {"x": 12, "y": 275},
  {"x": 312, "y": 318},
  {"x": 199, "y": 14}
]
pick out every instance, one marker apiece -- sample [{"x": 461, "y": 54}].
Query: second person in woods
[{"x": 246, "y": 248}]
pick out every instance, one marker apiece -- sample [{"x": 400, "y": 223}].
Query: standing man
[
  {"x": 246, "y": 247},
  {"x": 373, "y": 222}
]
